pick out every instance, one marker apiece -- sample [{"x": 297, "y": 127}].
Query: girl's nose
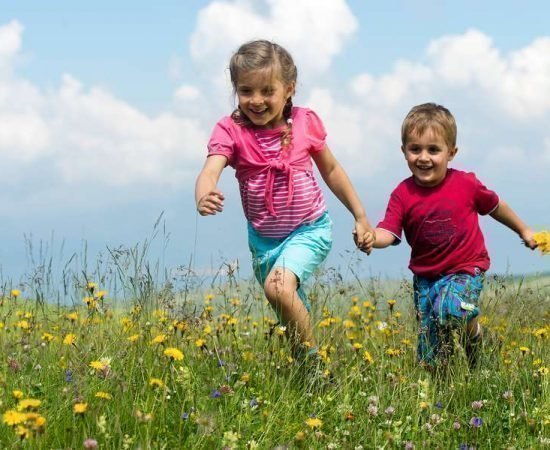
[{"x": 257, "y": 99}]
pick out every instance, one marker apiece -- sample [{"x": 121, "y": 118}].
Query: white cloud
[
  {"x": 77, "y": 135},
  {"x": 187, "y": 92},
  {"x": 313, "y": 31}
]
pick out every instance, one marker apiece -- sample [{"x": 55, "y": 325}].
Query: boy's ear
[{"x": 453, "y": 153}]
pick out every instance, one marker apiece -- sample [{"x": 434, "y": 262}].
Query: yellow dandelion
[
  {"x": 357, "y": 346},
  {"x": 15, "y": 293},
  {"x": 101, "y": 364},
  {"x": 524, "y": 350},
  {"x": 348, "y": 324},
  {"x": 133, "y": 338},
  {"x": 17, "y": 394},
  {"x": 355, "y": 311},
  {"x": 200, "y": 343},
  {"x": 101, "y": 295},
  {"x": 235, "y": 301},
  {"x": 423, "y": 405},
  {"x": 103, "y": 395},
  {"x": 69, "y": 339},
  {"x": 367, "y": 357},
  {"x": 73, "y": 317},
  {"x": 47, "y": 337},
  {"x": 91, "y": 286},
  {"x": 28, "y": 403},
  {"x": 23, "y": 324},
  {"x": 12, "y": 418},
  {"x": 173, "y": 353},
  {"x": 314, "y": 422},
  {"x": 80, "y": 408},
  {"x": 156, "y": 383},
  {"x": 23, "y": 432},
  {"x": 159, "y": 339},
  {"x": 542, "y": 238}
]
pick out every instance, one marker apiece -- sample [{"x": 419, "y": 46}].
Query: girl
[{"x": 270, "y": 144}]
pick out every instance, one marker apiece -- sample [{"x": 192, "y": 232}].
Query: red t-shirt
[{"x": 441, "y": 223}]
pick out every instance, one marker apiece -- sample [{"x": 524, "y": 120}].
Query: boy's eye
[
  {"x": 434, "y": 149},
  {"x": 414, "y": 149}
]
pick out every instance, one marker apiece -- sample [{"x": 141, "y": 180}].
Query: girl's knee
[{"x": 280, "y": 284}]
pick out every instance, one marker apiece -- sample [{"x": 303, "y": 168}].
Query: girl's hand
[
  {"x": 211, "y": 203},
  {"x": 363, "y": 235},
  {"x": 527, "y": 236}
]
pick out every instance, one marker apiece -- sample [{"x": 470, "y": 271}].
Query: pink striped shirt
[
  {"x": 307, "y": 204},
  {"x": 279, "y": 191}
]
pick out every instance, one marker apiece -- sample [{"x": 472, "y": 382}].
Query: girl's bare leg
[
  {"x": 474, "y": 336},
  {"x": 280, "y": 290}
]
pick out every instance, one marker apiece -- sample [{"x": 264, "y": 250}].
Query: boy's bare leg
[
  {"x": 473, "y": 338},
  {"x": 280, "y": 289}
]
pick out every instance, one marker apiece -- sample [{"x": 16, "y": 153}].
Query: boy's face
[{"x": 428, "y": 156}]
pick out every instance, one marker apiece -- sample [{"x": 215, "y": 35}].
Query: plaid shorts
[{"x": 449, "y": 301}]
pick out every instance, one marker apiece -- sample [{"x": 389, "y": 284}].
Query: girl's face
[
  {"x": 262, "y": 97},
  {"x": 428, "y": 156}
]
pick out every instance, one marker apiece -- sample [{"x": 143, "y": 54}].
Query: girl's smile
[{"x": 262, "y": 97}]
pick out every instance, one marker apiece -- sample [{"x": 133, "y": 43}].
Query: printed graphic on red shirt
[{"x": 437, "y": 228}]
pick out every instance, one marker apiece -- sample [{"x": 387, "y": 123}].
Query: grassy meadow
[{"x": 116, "y": 357}]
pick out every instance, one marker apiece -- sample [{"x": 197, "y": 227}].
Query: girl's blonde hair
[
  {"x": 429, "y": 115},
  {"x": 261, "y": 55}
]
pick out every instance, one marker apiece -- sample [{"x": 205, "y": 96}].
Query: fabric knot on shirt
[{"x": 280, "y": 165}]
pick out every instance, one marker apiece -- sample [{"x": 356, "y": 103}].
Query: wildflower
[
  {"x": 200, "y": 343},
  {"x": 423, "y": 405},
  {"x": 299, "y": 436},
  {"x": 133, "y": 338},
  {"x": 373, "y": 400},
  {"x": 159, "y": 339},
  {"x": 28, "y": 403},
  {"x": 524, "y": 350},
  {"x": 80, "y": 408},
  {"x": 17, "y": 394},
  {"x": 390, "y": 410},
  {"x": 476, "y": 422},
  {"x": 15, "y": 293},
  {"x": 156, "y": 383},
  {"x": 230, "y": 438},
  {"x": 372, "y": 410},
  {"x": 90, "y": 444},
  {"x": 102, "y": 365},
  {"x": 391, "y": 304},
  {"x": 245, "y": 377},
  {"x": 68, "y": 375},
  {"x": 215, "y": 394},
  {"x": 69, "y": 339},
  {"x": 541, "y": 332},
  {"x": 456, "y": 425},
  {"x": 225, "y": 389},
  {"x": 314, "y": 422},
  {"x": 357, "y": 346},
  {"x": 367, "y": 357},
  {"x": 73, "y": 317},
  {"x": 185, "y": 416},
  {"x": 478, "y": 404},
  {"x": 12, "y": 418},
  {"x": 103, "y": 395},
  {"x": 173, "y": 353},
  {"x": 542, "y": 238},
  {"x": 508, "y": 395},
  {"x": 47, "y": 337},
  {"x": 409, "y": 445}
]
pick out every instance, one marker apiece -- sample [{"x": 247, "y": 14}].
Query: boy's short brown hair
[{"x": 428, "y": 115}]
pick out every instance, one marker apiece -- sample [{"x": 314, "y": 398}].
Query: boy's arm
[
  {"x": 338, "y": 182},
  {"x": 383, "y": 238},
  {"x": 208, "y": 198},
  {"x": 505, "y": 215}
]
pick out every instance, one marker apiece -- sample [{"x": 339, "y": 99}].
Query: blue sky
[{"x": 105, "y": 110}]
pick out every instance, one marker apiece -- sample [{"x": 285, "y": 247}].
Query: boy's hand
[
  {"x": 211, "y": 203},
  {"x": 528, "y": 238},
  {"x": 363, "y": 235}
]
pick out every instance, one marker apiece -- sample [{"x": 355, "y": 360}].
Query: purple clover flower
[
  {"x": 215, "y": 394},
  {"x": 476, "y": 422}
]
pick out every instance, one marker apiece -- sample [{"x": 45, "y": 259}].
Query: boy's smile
[{"x": 428, "y": 156}]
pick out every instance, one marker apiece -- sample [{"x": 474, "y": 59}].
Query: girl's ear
[{"x": 290, "y": 89}]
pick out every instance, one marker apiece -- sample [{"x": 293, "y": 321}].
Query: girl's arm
[
  {"x": 383, "y": 238},
  {"x": 208, "y": 198},
  {"x": 505, "y": 215},
  {"x": 336, "y": 179}
]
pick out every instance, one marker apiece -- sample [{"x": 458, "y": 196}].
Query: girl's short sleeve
[
  {"x": 221, "y": 141},
  {"x": 315, "y": 130},
  {"x": 485, "y": 199}
]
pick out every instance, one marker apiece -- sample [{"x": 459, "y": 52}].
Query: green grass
[{"x": 241, "y": 389}]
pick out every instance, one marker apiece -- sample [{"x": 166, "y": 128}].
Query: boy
[{"x": 438, "y": 209}]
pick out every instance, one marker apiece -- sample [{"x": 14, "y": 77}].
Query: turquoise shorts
[
  {"x": 451, "y": 300},
  {"x": 301, "y": 252}
]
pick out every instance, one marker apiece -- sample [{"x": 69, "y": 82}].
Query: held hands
[
  {"x": 211, "y": 203},
  {"x": 364, "y": 236}
]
